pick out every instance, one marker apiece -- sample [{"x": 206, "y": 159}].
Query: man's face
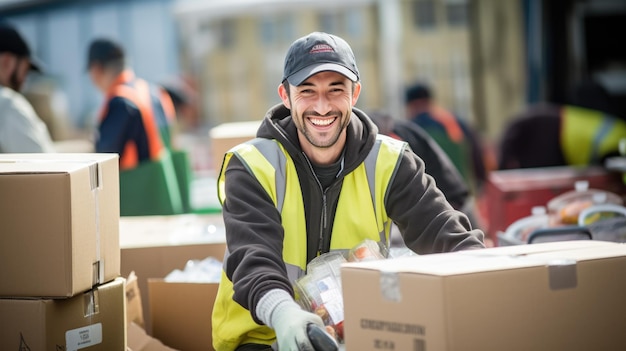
[
  {"x": 96, "y": 73},
  {"x": 19, "y": 75},
  {"x": 321, "y": 107},
  {"x": 17, "y": 68}
]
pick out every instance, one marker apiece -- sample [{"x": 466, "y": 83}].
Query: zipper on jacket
[
  {"x": 324, "y": 217},
  {"x": 320, "y": 246}
]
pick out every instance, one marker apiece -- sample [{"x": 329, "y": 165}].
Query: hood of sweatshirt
[{"x": 360, "y": 135}]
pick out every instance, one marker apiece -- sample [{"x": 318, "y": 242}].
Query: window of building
[
  {"x": 355, "y": 20},
  {"x": 275, "y": 30},
  {"x": 424, "y": 14},
  {"x": 227, "y": 33},
  {"x": 267, "y": 30},
  {"x": 344, "y": 23},
  {"x": 329, "y": 22},
  {"x": 457, "y": 13}
]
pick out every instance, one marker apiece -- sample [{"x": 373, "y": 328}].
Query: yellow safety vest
[
  {"x": 588, "y": 135},
  {"x": 360, "y": 215}
]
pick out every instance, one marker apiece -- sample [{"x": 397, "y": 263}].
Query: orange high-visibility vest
[{"x": 136, "y": 91}]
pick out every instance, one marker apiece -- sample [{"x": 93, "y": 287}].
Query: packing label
[{"x": 83, "y": 337}]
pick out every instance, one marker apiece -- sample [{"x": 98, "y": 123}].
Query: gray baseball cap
[{"x": 319, "y": 52}]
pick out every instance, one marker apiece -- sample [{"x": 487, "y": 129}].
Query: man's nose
[{"x": 322, "y": 105}]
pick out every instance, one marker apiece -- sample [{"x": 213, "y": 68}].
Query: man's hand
[
  {"x": 280, "y": 312},
  {"x": 290, "y": 323}
]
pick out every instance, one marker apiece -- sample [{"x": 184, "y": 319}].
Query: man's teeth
[{"x": 322, "y": 122}]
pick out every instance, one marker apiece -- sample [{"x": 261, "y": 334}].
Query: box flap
[
  {"x": 139, "y": 340},
  {"x": 37, "y": 167},
  {"x": 235, "y": 129},
  {"x": 492, "y": 259},
  {"x": 57, "y": 157},
  {"x": 180, "y": 313},
  {"x": 157, "y": 231},
  {"x": 48, "y": 163}
]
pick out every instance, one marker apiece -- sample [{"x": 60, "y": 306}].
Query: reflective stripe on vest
[
  {"x": 360, "y": 215},
  {"x": 588, "y": 135},
  {"x": 139, "y": 94}
]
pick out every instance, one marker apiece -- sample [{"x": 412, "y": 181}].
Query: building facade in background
[
  {"x": 237, "y": 48},
  {"x": 485, "y": 59}
]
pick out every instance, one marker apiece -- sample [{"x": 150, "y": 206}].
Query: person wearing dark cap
[
  {"x": 21, "y": 130},
  {"x": 317, "y": 178},
  {"x": 453, "y": 135}
]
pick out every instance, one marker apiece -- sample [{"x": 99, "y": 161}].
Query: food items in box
[{"x": 565, "y": 208}]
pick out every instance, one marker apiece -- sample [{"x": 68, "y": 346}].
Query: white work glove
[{"x": 280, "y": 312}]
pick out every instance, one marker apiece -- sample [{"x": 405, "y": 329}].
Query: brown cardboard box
[
  {"x": 93, "y": 320},
  {"x": 60, "y": 230},
  {"x": 153, "y": 246},
  {"x": 138, "y": 340},
  {"x": 552, "y": 296},
  {"x": 224, "y": 136},
  {"x": 134, "y": 308},
  {"x": 181, "y": 313}
]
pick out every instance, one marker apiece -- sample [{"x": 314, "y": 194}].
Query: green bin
[{"x": 150, "y": 189}]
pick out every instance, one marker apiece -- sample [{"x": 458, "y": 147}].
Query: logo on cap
[{"x": 319, "y": 48}]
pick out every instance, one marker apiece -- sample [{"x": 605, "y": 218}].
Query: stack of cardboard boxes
[{"x": 60, "y": 284}]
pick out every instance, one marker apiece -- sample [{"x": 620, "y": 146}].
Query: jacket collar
[{"x": 361, "y": 134}]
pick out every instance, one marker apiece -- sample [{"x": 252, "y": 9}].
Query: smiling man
[{"x": 317, "y": 178}]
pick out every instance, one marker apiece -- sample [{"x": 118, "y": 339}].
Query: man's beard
[
  {"x": 304, "y": 129},
  {"x": 14, "y": 81}
]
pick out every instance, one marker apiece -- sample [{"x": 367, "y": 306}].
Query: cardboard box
[
  {"x": 552, "y": 296},
  {"x": 153, "y": 246},
  {"x": 224, "y": 136},
  {"x": 181, "y": 313},
  {"x": 138, "y": 340},
  {"x": 134, "y": 308},
  {"x": 93, "y": 320},
  {"x": 60, "y": 230}
]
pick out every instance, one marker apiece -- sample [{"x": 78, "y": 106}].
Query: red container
[{"x": 511, "y": 194}]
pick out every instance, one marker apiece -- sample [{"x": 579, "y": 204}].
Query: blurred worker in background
[
  {"x": 581, "y": 132},
  {"x": 317, "y": 178},
  {"x": 453, "y": 135},
  {"x": 184, "y": 94},
  {"x": 21, "y": 130},
  {"x": 436, "y": 162},
  {"x": 134, "y": 121}
]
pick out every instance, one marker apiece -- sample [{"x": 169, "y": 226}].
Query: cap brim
[
  {"x": 35, "y": 65},
  {"x": 303, "y": 74}
]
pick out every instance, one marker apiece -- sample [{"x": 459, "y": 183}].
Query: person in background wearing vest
[
  {"x": 21, "y": 130},
  {"x": 584, "y": 131},
  {"x": 134, "y": 119},
  {"x": 452, "y": 134},
  {"x": 317, "y": 178}
]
